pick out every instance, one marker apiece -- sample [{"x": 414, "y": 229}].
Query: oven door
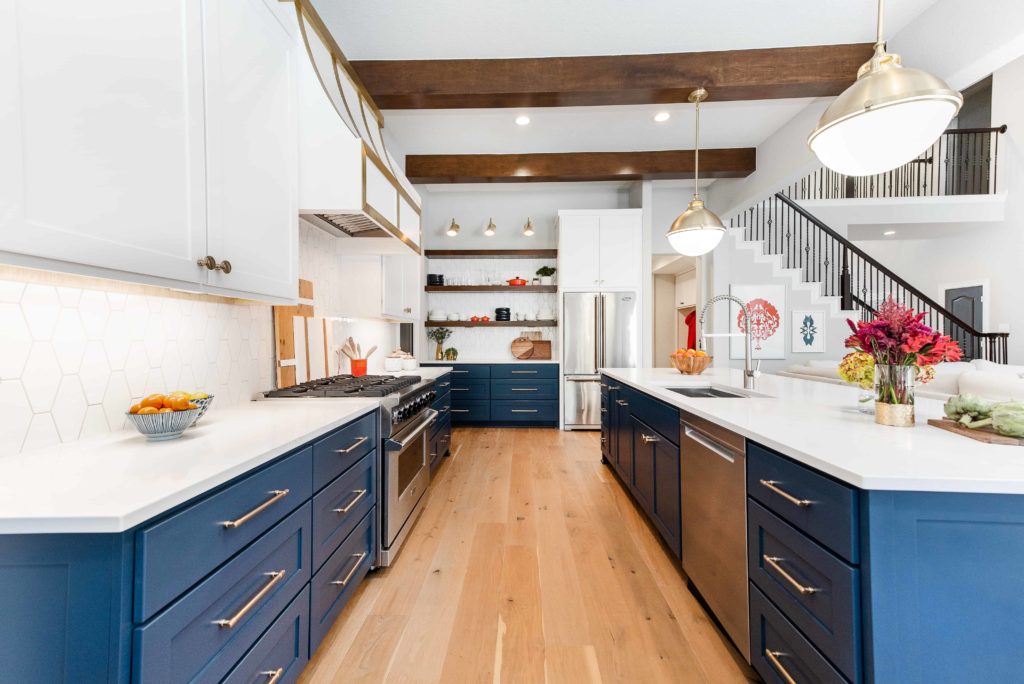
[{"x": 406, "y": 476}]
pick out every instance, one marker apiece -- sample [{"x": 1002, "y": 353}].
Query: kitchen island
[{"x": 872, "y": 553}]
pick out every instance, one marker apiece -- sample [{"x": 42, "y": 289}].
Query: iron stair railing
[{"x": 844, "y": 270}]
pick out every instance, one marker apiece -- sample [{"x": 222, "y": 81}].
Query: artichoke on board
[
  {"x": 1008, "y": 419},
  {"x": 969, "y": 409}
]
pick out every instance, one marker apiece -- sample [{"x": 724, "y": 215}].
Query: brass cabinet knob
[{"x": 210, "y": 264}]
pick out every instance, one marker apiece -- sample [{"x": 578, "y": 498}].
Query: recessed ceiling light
[
  {"x": 522, "y": 120},
  {"x": 662, "y": 117},
  {"x": 889, "y": 232}
]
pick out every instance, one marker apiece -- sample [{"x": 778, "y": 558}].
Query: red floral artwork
[{"x": 764, "y": 321}]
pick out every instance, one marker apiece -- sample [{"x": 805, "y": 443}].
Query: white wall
[
  {"x": 686, "y": 289},
  {"x": 509, "y": 205}
]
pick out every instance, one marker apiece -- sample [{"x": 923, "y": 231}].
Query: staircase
[{"x": 838, "y": 272}]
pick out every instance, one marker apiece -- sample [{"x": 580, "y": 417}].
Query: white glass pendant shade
[{"x": 696, "y": 231}]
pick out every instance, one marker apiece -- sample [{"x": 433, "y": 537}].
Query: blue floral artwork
[{"x": 808, "y": 332}]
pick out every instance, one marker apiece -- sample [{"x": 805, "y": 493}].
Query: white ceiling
[
  {"x": 586, "y": 129},
  {"x": 455, "y": 29}
]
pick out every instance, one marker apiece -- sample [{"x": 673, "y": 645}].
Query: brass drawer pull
[
  {"x": 622, "y": 402},
  {"x": 771, "y": 484},
  {"x": 773, "y": 658},
  {"x": 460, "y": 389},
  {"x": 460, "y": 371},
  {"x": 525, "y": 389},
  {"x": 360, "y": 557},
  {"x": 445, "y": 409},
  {"x": 460, "y": 410},
  {"x": 604, "y": 410},
  {"x": 445, "y": 384},
  {"x": 773, "y": 562},
  {"x": 524, "y": 410},
  {"x": 520, "y": 372},
  {"x": 649, "y": 439},
  {"x": 273, "y": 675},
  {"x": 360, "y": 493},
  {"x": 275, "y": 577},
  {"x": 612, "y": 388},
  {"x": 355, "y": 444},
  {"x": 278, "y": 494}
]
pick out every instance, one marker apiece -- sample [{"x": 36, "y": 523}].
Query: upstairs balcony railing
[{"x": 963, "y": 161}]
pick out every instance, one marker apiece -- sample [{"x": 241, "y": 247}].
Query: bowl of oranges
[
  {"x": 164, "y": 416},
  {"x": 690, "y": 361}
]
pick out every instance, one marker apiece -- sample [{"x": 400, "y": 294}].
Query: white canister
[
  {"x": 410, "y": 364},
  {"x": 392, "y": 363}
]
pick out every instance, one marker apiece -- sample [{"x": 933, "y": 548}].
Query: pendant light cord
[{"x": 696, "y": 151}]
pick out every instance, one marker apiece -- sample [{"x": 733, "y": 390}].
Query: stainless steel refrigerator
[{"x": 599, "y": 330}]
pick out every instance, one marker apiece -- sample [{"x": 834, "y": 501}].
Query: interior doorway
[{"x": 966, "y": 301}]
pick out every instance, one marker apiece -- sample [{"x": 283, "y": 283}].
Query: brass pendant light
[
  {"x": 491, "y": 228},
  {"x": 528, "y": 228},
  {"x": 698, "y": 230},
  {"x": 453, "y": 229},
  {"x": 889, "y": 116}
]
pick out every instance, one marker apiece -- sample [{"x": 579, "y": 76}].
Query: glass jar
[{"x": 894, "y": 395}]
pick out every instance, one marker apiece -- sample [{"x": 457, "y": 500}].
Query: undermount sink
[{"x": 706, "y": 393}]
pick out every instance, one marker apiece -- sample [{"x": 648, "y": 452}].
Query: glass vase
[
  {"x": 894, "y": 395},
  {"x": 866, "y": 401}
]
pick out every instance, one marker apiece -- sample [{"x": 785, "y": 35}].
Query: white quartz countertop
[
  {"x": 114, "y": 482},
  {"x": 818, "y": 424},
  {"x": 509, "y": 359},
  {"x": 425, "y": 372}
]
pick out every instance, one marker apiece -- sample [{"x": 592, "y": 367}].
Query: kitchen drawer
[
  {"x": 463, "y": 390},
  {"x": 659, "y": 416},
  {"x": 470, "y": 411},
  {"x": 185, "y": 642},
  {"x": 470, "y": 371},
  {"x": 524, "y": 389},
  {"x": 439, "y": 444},
  {"x": 339, "y": 507},
  {"x": 524, "y": 411},
  {"x": 443, "y": 406},
  {"x": 175, "y": 553},
  {"x": 282, "y": 652},
  {"x": 813, "y": 503},
  {"x": 340, "y": 450},
  {"x": 830, "y": 615},
  {"x": 334, "y": 584},
  {"x": 524, "y": 371},
  {"x": 771, "y": 632}
]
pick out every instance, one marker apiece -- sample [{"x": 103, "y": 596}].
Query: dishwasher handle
[{"x": 708, "y": 443}]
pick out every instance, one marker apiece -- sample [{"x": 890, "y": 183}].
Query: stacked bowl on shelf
[{"x": 503, "y": 314}]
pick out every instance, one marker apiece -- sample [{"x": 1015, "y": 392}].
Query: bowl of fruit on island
[
  {"x": 166, "y": 416},
  {"x": 690, "y": 361}
]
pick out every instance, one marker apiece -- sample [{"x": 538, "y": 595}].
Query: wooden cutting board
[
  {"x": 300, "y": 340},
  {"x": 985, "y": 434},
  {"x": 522, "y": 348}
]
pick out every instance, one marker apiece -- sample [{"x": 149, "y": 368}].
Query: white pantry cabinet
[
  {"x": 139, "y": 138},
  {"x": 600, "y": 249}
]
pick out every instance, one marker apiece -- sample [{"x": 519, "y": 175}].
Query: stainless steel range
[{"x": 404, "y": 465}]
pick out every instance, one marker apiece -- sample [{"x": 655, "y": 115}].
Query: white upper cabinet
[
  {"x": 578, "y": 251},
  {"x": 135, "y": 143},
  {"x": 251, "y": 50},
  {"x": 402, "y": 285},
  {"x": 600, "y": 250},
  {"x": 101, "y": 127}
]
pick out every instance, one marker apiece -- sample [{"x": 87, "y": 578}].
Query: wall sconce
[
  {"x": 528, "y": 228},
  {"x": 453, "y": 229},
  {"x": 491, "y": 228}
]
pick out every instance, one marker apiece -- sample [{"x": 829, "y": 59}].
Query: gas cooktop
[{"x": 347, "y": 386}]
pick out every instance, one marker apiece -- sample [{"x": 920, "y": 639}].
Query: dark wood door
[{"x": 967, "y": 304}]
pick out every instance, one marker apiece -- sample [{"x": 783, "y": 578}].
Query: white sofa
[{"x": 998, "y": 382}]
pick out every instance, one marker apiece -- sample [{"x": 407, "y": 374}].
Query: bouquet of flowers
[
  {"x": 903, "y": 348},
  {"x": 858, "y": 368}
]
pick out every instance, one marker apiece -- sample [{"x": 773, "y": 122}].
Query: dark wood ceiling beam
[
  {"x": 764, "y": 74},
  {"x": 577, "y": 166}
]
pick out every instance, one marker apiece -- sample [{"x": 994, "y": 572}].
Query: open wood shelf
[
  {"x": 491, "y": 288},
  {"x": 490, "y": 324},
  {"x": 491, "y": 253}
]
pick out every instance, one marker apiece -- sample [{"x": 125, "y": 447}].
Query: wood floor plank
[{"x": 528, "y": 564}]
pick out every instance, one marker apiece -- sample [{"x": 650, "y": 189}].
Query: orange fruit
[
  {"x": 135, "y": 408},
  {"x": 177, "y": 403},
  {"x": 146, "y": 410},
  {"x": 165, "y": 410},
  {"x": 193, "y": 406},
  {"x": 153, "y": 400}
]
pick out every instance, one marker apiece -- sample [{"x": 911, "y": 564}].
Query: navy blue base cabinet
[
  {"x": 188, "y": 597},
  {"x": 504, "y": 394}
]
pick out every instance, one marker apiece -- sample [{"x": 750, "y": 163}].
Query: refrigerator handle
[{"x": 600, "y": 331}]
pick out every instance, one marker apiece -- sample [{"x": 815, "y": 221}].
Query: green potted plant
[
  {"x": 451, "y": 354},
  {"x": 546, "y": 273},
  {"x": 439, "y": 336}
]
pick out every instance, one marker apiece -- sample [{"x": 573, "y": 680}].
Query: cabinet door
[
  {"x": 578, "y": 252},
  {"x": 620, "y": 250},
  {"x": 401, "y": 286},
  {"x": 101, "y": 128},
  {"x": 665, "y": 507},
  {"x": 643, "y": 465},
  {"x": 380, "y": 195},
  {"x": 623, "y": 438},
  {"x": 364, "y": 299},
  {"x": 252, "y": 146},
  {"x": 408, "y": 220}
]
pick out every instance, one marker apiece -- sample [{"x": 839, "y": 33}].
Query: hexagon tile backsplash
[{"x": 73, "y": 359}]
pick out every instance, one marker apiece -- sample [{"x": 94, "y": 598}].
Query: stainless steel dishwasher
[{"x": 714, "y": 521}]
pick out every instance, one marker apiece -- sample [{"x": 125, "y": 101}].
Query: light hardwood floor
[{"x": 529, "y": 564}]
